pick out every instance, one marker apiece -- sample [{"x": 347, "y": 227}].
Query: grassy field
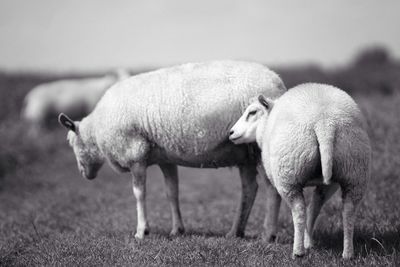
[{"x": 50, "y": 215}]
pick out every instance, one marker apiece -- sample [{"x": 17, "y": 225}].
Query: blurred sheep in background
[{"x": 76, "y": 97}]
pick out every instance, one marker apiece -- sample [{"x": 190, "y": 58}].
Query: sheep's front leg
[
  {"x": 170, "y": 172},
  {"x": 320, "y": 195},
  {"x": 139, "y": 190},
  {"x": 249, "y": 190}
]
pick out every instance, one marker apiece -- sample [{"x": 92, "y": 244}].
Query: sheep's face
[
  {"x": 87, "y": 158},
  {"x": 245, "y": 129},
  {"x": 86, "y": 152}
]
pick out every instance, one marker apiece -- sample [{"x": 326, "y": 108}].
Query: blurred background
[
  {"x": 49, "y": 214},
  {"x": 97, "y": 35}
]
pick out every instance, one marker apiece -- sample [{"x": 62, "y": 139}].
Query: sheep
[
  {"x": 313, "y": 135},
  {"x": 179, "y": 115},
  {"x": 74, "y": 96}
]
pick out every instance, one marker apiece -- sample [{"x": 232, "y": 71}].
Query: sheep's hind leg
[
  {"x": 249, "y": 190},
  {"x": 351, "y": 200},
  {"x": 271, "y": 217},
  {"x": 170, "y": 172},
  {"x": 320, "y": 195},
  {"x": 295, "y": 199},
  {"x": 139, "y": 190}
]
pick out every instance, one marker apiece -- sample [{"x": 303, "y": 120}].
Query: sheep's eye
[{"x": 251, "y": 113}]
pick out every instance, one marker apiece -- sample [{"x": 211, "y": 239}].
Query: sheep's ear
[
  {"x": 266, "y": 102},
  {"x": 67, "y": 122}
]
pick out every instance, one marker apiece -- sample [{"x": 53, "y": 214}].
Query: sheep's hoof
[
  {"x": 308, "y": 243},
  {"x": 177, "y": 231},
  {"x": 141, "y": 233},
  {"x": 233, "y": 234},
  {"x": 298, "y": 255},
  {"x": 347, "y": 255},
  {"x": 139, "y": 236},
  {"x": 268, "y": 237}
]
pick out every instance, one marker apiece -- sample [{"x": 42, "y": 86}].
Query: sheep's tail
[{"x": 325, "y": 133}]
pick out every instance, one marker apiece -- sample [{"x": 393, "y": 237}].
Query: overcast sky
[{"x": 90, "y": 35}]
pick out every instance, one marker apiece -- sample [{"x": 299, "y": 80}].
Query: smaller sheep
[
  {"x": 314, "y": 134},
  {"x": 76, "y": 97}
]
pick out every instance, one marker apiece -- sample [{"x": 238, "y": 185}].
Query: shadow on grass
[
  {"x": 218, "y": 234},
  {"x": 157, "y": 232},
  {"x": 365, "y": 242}
]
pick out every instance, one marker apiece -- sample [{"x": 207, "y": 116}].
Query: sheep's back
[{"x": 306, "y": 104}]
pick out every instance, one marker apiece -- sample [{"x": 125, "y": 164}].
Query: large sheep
[
  {"x": 312, "y": 135},
  {"x": 76, "y": 97},
  {"x": 174, "y": 116}
]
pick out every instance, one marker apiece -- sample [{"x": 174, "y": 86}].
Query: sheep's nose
[{"x": 231, "y": 132}]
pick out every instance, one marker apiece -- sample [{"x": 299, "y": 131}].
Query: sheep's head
[
  {"x": 86, "y": 152},
  {"x": 245, "y": 129}
]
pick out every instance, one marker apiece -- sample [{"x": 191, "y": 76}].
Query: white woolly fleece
[{"x": 179, "y": 115}]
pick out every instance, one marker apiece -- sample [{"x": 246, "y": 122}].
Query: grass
[{"x": 49, "y": 215}]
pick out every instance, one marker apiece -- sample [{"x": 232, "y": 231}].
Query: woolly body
[
  {"x": 303, "y": 123},
  {"x": 179, "y": 115}
]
